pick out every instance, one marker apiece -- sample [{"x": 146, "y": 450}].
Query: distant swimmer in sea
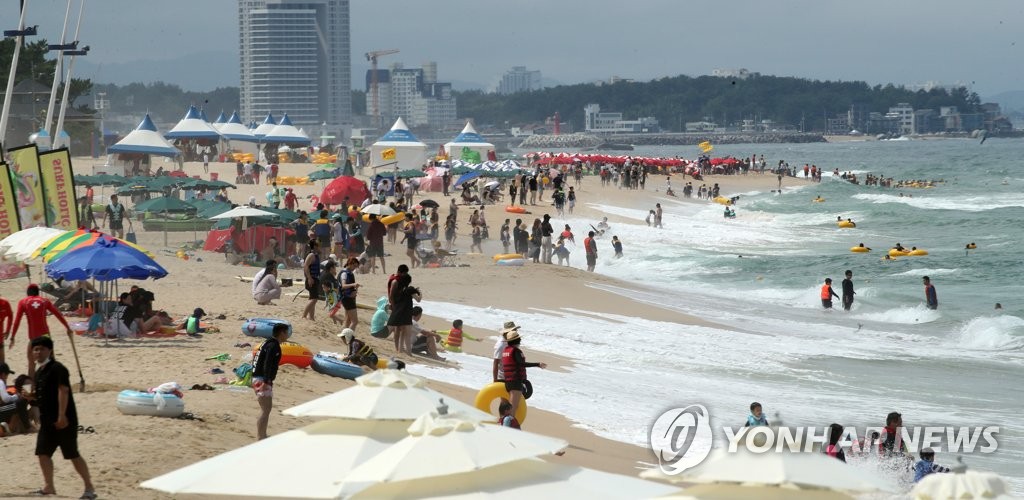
[
  {"x": 729, "y": 214},
  {"x": 853, "y": 224},
  {"x": 998, "y": 306},
  {"x": 827, "y": 293},
  {"x": 603, "y": 225},
  {"x": 899, "y": 247},
  {"x": 930, "y": 296},
  {"x": 862, "y": 246},
  {"x": 970, "y": 246}
]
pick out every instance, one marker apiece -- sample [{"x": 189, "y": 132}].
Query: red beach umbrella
[{"x": 343, "y": 187}]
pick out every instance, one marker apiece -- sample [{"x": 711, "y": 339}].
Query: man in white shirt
[{"x": 497, "y": 373}]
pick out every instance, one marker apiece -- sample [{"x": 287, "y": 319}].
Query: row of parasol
[{"x": 81, "y": 254}]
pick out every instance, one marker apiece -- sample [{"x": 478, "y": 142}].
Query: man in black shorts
[
  {"x": 57, "y": 417},
  {"x": 115, "y": 213}
]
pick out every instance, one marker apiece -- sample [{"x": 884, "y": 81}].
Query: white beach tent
[
  {"x": 410, "y": 153},
  {"x": 145, "y": 140},
  {"x": 264, "y": 128},
  {"x": 233, "y": 130},
  {"x": 468, "y": 139},
  {"x": 192, "y": 126},
  {"x": 220, "y": 121},
  {"x": 286, "y": 133}
]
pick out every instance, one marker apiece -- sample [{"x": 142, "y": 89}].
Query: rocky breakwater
[
  {"x": 694, "y": 139},
  {"x": 574, "y": 141}
]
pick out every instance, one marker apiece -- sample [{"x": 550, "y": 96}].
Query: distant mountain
[
  {"x": 197, "y": 71},
  {"x": 1012, "y": 100}
]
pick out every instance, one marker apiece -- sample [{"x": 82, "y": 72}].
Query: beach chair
[
  {"x": 427, "y": 256},
  {"x": 448, "y": 258}
]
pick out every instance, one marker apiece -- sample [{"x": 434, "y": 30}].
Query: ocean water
[{"x": 960, "y": 365}]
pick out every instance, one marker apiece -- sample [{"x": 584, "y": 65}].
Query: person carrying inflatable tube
[
  {"x": 514, "y": 366},
  {"x": 454, "y": 341}
]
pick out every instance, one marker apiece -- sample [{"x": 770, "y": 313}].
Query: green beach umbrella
[
  {"x": 320, "y": 175},
  {"x": 461, "y": 170},
  {"x": 164, "y": 204},
  {"x": 208, "y": 184}
]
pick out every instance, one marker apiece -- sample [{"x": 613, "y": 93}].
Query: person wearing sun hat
[
  {"x": 499, "y": 348},
  {"x": 514, "y": 366}
]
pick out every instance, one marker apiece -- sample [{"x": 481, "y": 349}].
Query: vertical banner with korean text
[
  {"x": 28, "y": 186},
  {"x": 59, "y": 189},
  {"x": 8, "y": 221}
]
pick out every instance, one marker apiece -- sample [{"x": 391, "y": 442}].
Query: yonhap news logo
[
  {"x": 675, "y": 431},
  {"x": 673, "y": 434}
]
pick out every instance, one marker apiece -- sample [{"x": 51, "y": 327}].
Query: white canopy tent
[
  {"x": 286, "y": 133},
  {"x": 192, "y": 126},
  {"x": 144, "y": 140},
  {"x": 220, "y": 121},
  {"x": 470, "y": 139},
  {"x": 264, "y": 128},
  {"x": 410, "y": 153}
]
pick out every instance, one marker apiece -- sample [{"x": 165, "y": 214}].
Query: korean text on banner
[
  {"x": 8, "y": 222},
  {"x": 388, "y": 154},
  {"x": 59, "y": 189},
  {"x": 28, "y": 186},
  {"x": 8, "y": 204}
]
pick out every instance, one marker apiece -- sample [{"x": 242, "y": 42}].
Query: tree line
[{"x": 680, "y": 99}]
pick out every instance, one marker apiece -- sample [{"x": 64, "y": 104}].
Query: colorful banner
[
  {"x": 28, "y": 186},
  {"x": 8, "y": 222},
  {"x": 8, "y": 204},
  {"x": 59, "y": 189},
  {"x": 388, "y": 154}
]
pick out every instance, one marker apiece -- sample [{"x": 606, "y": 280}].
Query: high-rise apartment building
[
  {"x": 518, "y": 79},
  {"x": 295, "y": 58},
  {"x": 413, "y": 94}
]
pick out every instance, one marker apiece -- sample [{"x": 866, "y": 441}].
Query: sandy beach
[{"x": 125, "y": 450}]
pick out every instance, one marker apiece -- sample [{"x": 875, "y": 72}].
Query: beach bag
[{"x": 130, "y": 235}]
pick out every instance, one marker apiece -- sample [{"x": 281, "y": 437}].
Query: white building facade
[
  {"x": 519, "y": 79},
  {"x": 295, "y": 57}
]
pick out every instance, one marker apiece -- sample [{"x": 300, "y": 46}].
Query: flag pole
[
  {"x": 56, "y": 138},
  {"x": 18, "y": 42},
  {"x": 58, "y": 73}
]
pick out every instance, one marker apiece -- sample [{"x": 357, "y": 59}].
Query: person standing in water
[
  {"x": 848, "y": 292},
  {"x": 929, "y": 293},
  {"x": 827, "y": 293}
]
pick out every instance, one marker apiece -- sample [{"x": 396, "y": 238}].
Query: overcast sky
[{"x": 900, "y": 41}]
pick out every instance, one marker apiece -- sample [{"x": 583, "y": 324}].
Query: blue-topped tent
[
  {"x": 470, "y": 140},
  {"x": 144, "y": 140},
  {"x": 221, "y": 120},
  {"x": 192, "y": 126},
  {"x": 202, "y": 115},
  {"x": 409, "y": 152},
  {"x": 264, "y": 128},
  {"x": 286, "y": 133},
  {"x": 234, "y": 130}
]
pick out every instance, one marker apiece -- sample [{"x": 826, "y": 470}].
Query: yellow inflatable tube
[
  {"x": 860, "y": 249},
  {"x": 896, "y": 253},
  {"x": 818, "y": 199},
  {"x": 846, "y": 224},
  {"x": 493, "y": 391},
  {"x": 917, "y": 253},
  {"x": 722, "y": 200},
  {"x": 503, "y": 256},
  {"x": 387, "y": 220}
]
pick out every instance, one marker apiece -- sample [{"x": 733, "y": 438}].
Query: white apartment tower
[
  {"x": 296, "y": 58},
  {"x": 518, "y": 79}
]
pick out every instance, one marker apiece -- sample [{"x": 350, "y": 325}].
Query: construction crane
[{"x": 374, "y": 97}]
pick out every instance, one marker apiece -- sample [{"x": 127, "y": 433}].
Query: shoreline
[{"x": 127, "y": 450}]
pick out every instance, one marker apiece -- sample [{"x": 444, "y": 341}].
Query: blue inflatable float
[
  {"x": 263, "y": 327},
  {"x": 335, "y": 367}
]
